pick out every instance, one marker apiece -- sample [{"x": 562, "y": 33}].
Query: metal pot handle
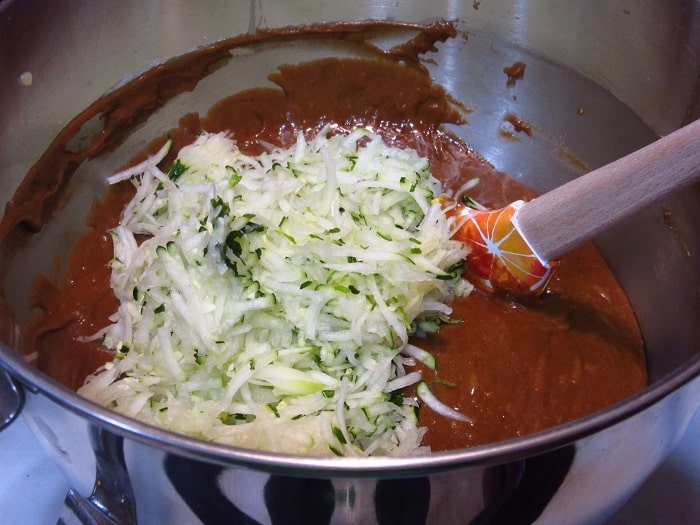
[
  {"x": 112, "y": 500},
  {"x": 11, "y": 399}
]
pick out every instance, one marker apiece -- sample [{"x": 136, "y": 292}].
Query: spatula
[{"x": 515, "y": 249}]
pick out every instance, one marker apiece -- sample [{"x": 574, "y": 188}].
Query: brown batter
[{"x": 512, "y": 368}]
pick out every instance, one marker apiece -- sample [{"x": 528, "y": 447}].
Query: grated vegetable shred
[{"x": 266, "y": 301}]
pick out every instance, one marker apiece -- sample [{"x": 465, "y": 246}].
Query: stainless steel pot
[{"x": 602, "y": 79}]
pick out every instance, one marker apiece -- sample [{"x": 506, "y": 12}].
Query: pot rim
[{"x": 37, "y": 382}]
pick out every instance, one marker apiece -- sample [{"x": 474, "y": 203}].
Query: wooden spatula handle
[{"x": 575, "y": 212}]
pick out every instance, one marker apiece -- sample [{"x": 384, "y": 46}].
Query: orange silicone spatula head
[{"x": 499, "y": 259}]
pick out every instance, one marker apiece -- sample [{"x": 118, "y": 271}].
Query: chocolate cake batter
[{"x": 512, "y": 368}]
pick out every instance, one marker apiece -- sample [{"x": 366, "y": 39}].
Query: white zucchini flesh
[{"x": 270, "y": 297}]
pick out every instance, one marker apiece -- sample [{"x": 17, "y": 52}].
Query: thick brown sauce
[
  {"x": 518, "y": 369},
  {"x": 515, "y": 369},
  {"x": 519, "y": 125},
  {"x": 514, "y": 73}
]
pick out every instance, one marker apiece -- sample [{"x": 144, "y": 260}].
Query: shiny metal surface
[
  {"x": 11, "y": 399},
  {"x": 602, "y": 79}
]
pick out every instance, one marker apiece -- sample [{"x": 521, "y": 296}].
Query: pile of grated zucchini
[{"x": 266, "y": 301}]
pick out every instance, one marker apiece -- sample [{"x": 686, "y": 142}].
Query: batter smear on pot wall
[{"x": 511, "y": 368}]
